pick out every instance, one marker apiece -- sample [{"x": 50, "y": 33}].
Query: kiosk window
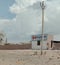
[{"x": 38, "y": 42}]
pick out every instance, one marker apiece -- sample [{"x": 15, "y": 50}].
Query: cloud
[
  {"x": 15, "y": 9},
  {"x": 53, "y": 14},
  {"x": 26, "y": 3},
  {"x": 28, "y": 19},
  {"x": 21, "y": 5}
]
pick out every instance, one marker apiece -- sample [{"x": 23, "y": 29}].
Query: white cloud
[
  {"x": 53, "y": 14},
  {"x": 26, "y": 3},
  {"x": 21, "y": 5},
  {"x": 15, "y": 9},
  {"x": 28, "y": 19}
]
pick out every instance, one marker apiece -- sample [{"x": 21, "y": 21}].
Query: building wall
[
  {"x": 44, "y": 44},
  {"x": 37, "y": 47},
  {"x": 34, "y": 45},
  {"x": 49, "y": 39},
  {"x": 56, "y": 45}
]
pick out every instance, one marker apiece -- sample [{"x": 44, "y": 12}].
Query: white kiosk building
[{"x": 36, "y": 42}]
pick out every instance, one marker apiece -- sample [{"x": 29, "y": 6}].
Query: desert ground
[{"x": 29, "y": 57}]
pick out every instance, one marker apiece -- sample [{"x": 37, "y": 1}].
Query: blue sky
[{"x": 4, "y": 9}]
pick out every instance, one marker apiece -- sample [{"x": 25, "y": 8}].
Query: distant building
[
  {"x": 36, "y": 41},
  {"x": 2, "y": 38},
  {"x": 55, "y": 45}
]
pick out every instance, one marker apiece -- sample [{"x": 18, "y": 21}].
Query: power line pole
[{"x": 42, "y": 40}]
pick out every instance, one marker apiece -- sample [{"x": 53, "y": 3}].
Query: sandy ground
[{"x": 29, "y": 57}]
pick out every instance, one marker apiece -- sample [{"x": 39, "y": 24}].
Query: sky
[
  {"x": 19, "y": 19},
  {"x": 4, "y": 9}
]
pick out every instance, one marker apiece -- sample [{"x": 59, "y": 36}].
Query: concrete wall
[
  {"x": 56, "y": 46},
  {"x": 49, "y": 39},
  {"x": 44, "y": 44},
  {"x": 34, "y": 45},
  {"x": 37, "y": 47}
]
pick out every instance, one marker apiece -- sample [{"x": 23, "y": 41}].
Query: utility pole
[{"x": 42, "y": 40}]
